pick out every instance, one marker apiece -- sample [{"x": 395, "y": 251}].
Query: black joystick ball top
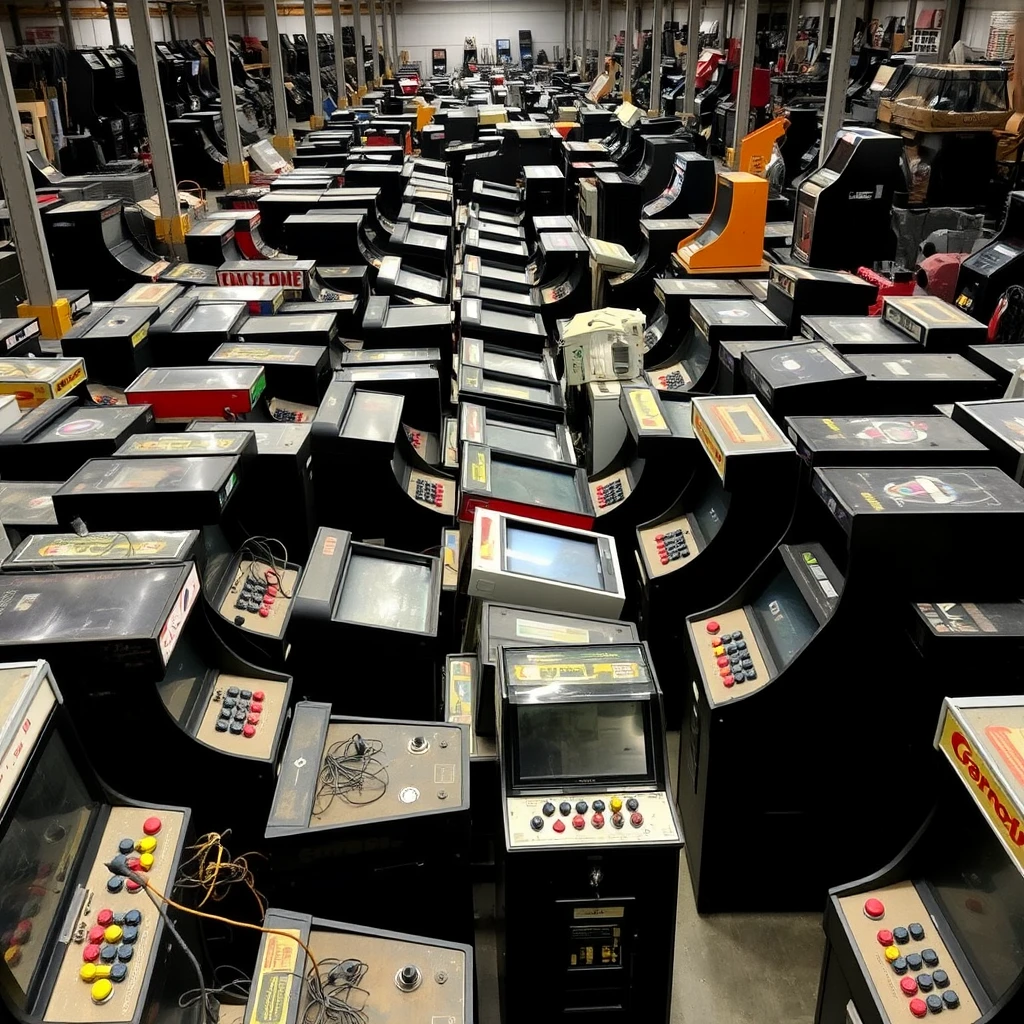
[
  {"x": 418, "y": 743},
  {"x": 537, "y": 823},
  {"x": 598, "y": 806},
  {"x": 565, "y": 808},
  {"x": 632, "y": 804},
  {"x": 581, "y": 806},
  {"x": 409, "y": 976},
  {"x": 548, "y": 809}
]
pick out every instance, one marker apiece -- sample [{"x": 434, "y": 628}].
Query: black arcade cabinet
[
  {"x": 843, "y": 209},
  {"x": 986, "y": 274}
]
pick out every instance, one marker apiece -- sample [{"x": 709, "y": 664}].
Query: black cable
[
  {"x": 118, "y": 866},
  {"x": 352, "y": 771}
]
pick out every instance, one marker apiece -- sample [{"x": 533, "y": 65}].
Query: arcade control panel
[
  {"x": 590, "y": 819},
  {"x": 260, "y": 597},
  {"x": 243, "y": 715},
  {"x": 909, "y": 967},
  {"x": 730, "y": 656},
  {"x": 610, "y": 490},
  {"x": 113, "y": 926},
  {"x": 670, "y": 378},
  {"x": 437, "y": 492},
  {"x": 667, "y": 546}
]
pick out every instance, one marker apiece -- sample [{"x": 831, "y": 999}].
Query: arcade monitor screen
[
  {"x": 526, "y": 440},
  {"x": 45, "y": 826},
  {"x": 595, "y": 740},
  {"x": 535, "y": 485},
  {"x": 784, "y": 617},
  {"x": 372, "y": 416},
  {"x": 386, "y": 592},
  {"x": 553, "y": 555}
]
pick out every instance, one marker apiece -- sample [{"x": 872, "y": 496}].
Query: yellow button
[
  {"x": 146, "y": 845},
  {"x": 616, "y": 804},
  {"x": 719, "y": 651},
  {"x": 12, "y": 955},
  {"x": 101, "y": 990},
  {"x": 892, "y": 953},
  {"x": 146, "y": 861},
  {"x": 113, "y": 934},
  {"x": 90, "y": 972}
]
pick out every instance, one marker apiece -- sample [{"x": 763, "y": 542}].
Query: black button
[
  {"x": 226, "y": 713},
  {"x": 108, "y": 953},
  {"x": 236, "y": 728},
  {"x": 241, "y": 715},
  {"x": 632, "y": 804},
  {"x": 934, "y": 1004},
  {"x": 914, "y": 961},
  {"x": 899, "y": 965},
  {"x": 738, "y": 635},
  {"x": 130, "y": 933},
  {"x": 247, "y": 695},
  {"x": 232, "y": 691},
  {"x": 548, "y": 808},
  {"x": 900, "y": 935},
  {"x": 118, "y": 972},
  {"x": 565, "y": 807},
  {"x": 951, "y": 999},
  {"x": 941, "y": 979},
  {"x": 133, "y": 917},
  {"x": 731, "y": 649},
  {"x": 537, "y": 823},
  {"x": 726, "y": 638},
  {"x": 751, "y": 675},
  {"x": 581, "y": 806},
  {"x": 124, "y": 953},
  {"x": 929, "y": 956},
  {"x": 734, "y": 660},
  {"x": 747, "y": 662},
  {"x": 229, "y": 702},
  {"x": 916, "y": 931},
  {"x": 598, "y": 806},
  {"x": 126, "y": 846},
  {"x": 221, "y": 725},
  {"x": 925, "y": 983}
]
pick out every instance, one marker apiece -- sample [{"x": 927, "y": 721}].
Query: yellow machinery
[{"x": 756, "y": 147}]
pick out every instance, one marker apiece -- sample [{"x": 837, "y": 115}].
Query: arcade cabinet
[
  {"x": 516, "y": 431},
  {"x": 82, "y": 942},
  {"x": 689, "y": 192},
  {"x": 367, "y": 974},
  {"x": 591, "y": 836},
  {"x": 938, "y": 929},
  {"x": 731, "y": 241},
  {"x": 764, "y": 665},
  {"x": 387, "y": 802},
  {"x": 843, "y": 209},
  {"x": 986, "y": 274}
]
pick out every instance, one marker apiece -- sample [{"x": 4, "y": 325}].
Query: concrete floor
[{"x": 729, "y": 968}]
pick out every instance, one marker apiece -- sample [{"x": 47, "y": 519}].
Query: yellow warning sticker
[{"x": 276, "y": 977}]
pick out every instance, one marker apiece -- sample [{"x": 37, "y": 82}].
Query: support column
[
  {"x": 357, "y": 28},
  {"x": 570, "y": 50},
  {"x": 565, "y": 51},
  {"x": 657, "y": 21},
  {"x": 236, "y": 170},
  {"x": 748, "y": 48},
  {"x": 838, "y": 75},
  {"x": 115, "y": 35},
  {"x": 627, "y": 53},
  {"x": 792, "y": 27},
  {"x": 65, "y": 17},
  {"x": 316, "y": 88},
  {"x": 603, "y": 32},
  {"x": 693, "y": 55},
  {"x": 396, "y": 53},
  {"x": 584, "y": 72},
  {"x": 947, "y": 34},
  {"x": 389, "y": 67},
  {"x": 908, "y": 36},
  {"x": 283, "y": 139},
  {"x": 339, "y": 53},
  {"x": 171, "y": 225},
  {"x": 53, "y": 312},
  {"x": 201, "y": 21},
  {"x": 374, "y": 42}
]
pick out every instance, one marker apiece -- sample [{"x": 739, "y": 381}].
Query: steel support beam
[
  {"x": 316, "y": 86},
  {"x": 627, "y": 52},
  {"x": 374, "y": 42},
  {"x": 838, "y": 75},
  {"x": 236, "y": 170},
  {"x": 657, "y": 21},
  {"x": 284, "y": 140},
  {"x": 693, "y": 54},
  {"x": 339, "y": 54},
  {"x": 357, "y": 29},
  {"x": 748, "y": 48}
]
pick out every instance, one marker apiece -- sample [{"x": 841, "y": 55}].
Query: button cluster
[
  {"x": 240, "y": 712},
  {"x": 259, "y": 595},
  {"x": 137, "y": 854},
  {"x": 610, "y": 493},
  {"x": 919, "y": 971},
  {"x": 732, "y": 656},
  {"x": 577, "y": 814},
  {"x": 290, "y": 415},
  {"x": 15, "y": 938},
  {"x": 672, "y": 381},
  {"x": 429, "y": 492},
  {"x": 671, "y": 546},
  {"x": 415, "y": 438},
  {"x": 110, "y": 946}
]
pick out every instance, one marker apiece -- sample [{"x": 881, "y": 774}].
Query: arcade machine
[
  {"x": 939, "y": 927},
  {"x": 690, "y": 191},
  {"x": 390, "y": 798},
  {"x": 591, "y": 835},
  {"x": 369, "y": 475},
  {"x": 368, "y": 599},
  {"x": 731, "y": 241},
  {"x": 778, "y": 636},
  {"x": 916, "y": 381},
  {"x": 700, "y": 549},
  {"x": 634, "y": 288},
  {"x": 507, "y": 393},
  {"x": 180, "y": 394},
  {"x": 844, "y": 208},
  {"x": 83, "y": 943},
  {"x": 516, "y": 431},
  {"x": 516, "y": 560},
  {"x": 366, "y": 974},
  {"x": 796, "y": 292},
  {"x": 986, "y": 274}
]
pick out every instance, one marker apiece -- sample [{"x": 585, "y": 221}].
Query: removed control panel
[
  {"x": 243, "y": 715},
  {"x": 260, "y": 596}
]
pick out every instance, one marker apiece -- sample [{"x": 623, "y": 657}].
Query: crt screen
[
  {"x": 390, "y": 594},
  {"x": 840, "y": 155},
  {"x": 604, "y": 739},
  {"x": 784, "y": 617},
  {"x": 541, "y": 444},
  {"x": 533, "y": 485},
  {"x": 565, "y": 558},
  {"x": 46, "y": 830}
]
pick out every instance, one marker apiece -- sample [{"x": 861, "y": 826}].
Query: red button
[
  {"x": 659, "y": 537},
  {"x": 597, "y": 821},
  {"x": 908, "y": 986},
  {"x": 268, "y": 600},
  {"x": 256, "y": 707},
  {"x": 134, "y": 863},
  {"x": 439, "y": 501},
  {"x": 874, "y": 908},
  {"x": 723, "y": 672},
  {"x": 132, "y": 886},
  {"x": 723, "y": 661},
  {"x": 440, "y": 489},
  {"x": 249, "y": 731},
  {"x": 558, "y": 826},
  {"x": 259, "y": 695},
  {"x": 96, "y": 935},
  {"x": 728, "y": 681},
  {"x": 105, "y": 917},
  {"x": 600, "y": 489},
  {"x": 918, "y": 1007},
  {"x": 713, "y": 627},
  {"x": 151, "y": 826},
  {"x": 253, "y": 719},
  {"x": 664, "y": 559},
  {"x": 91, "y": 953},
  {"x": 264, "y": 611},
  {"x": 636, "y": 819},
  {"x": 884, "y": 937},
  {"x": 272, "y": 591},
  {"x": 578, "y": 822}
]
